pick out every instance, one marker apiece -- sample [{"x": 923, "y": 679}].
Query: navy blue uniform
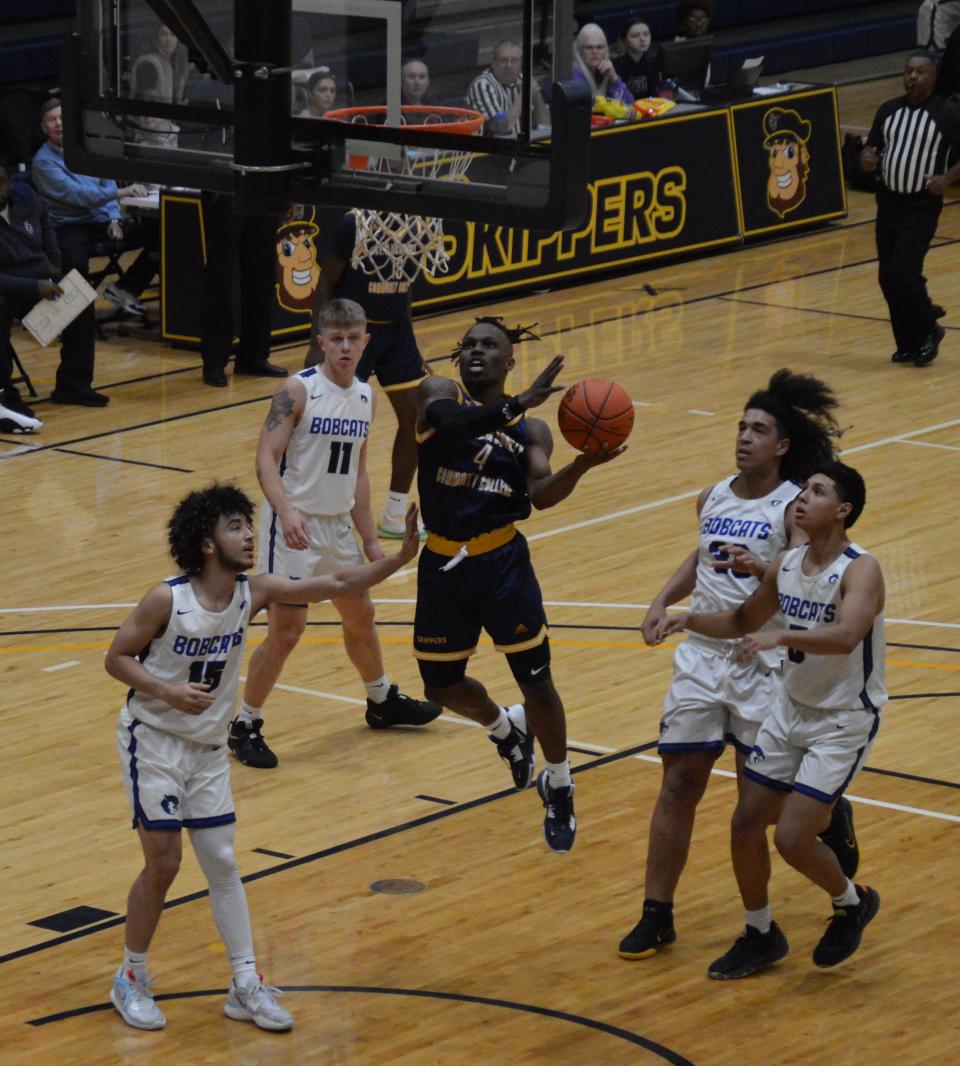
[
  {"x": 472, "y": 490},
  {"x": 392, "y": 354}
]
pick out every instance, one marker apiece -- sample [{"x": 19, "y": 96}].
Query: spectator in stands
[
  {"x": 592, "y": 64},
  {"x": 948, "y": 74},
  {"x": 160, "y": 76},
  {"x": 936, "y": 20},
  {"x": 636, "y": 59},
  {"x": 497, "y": 93},
  {"x": 85, "y": 213},
  {"x": 693, "y": 19},
  {"x": 321, "y": 93},
  {"x": 415, "y": 83},
  {"x": 29, "y": 259}
]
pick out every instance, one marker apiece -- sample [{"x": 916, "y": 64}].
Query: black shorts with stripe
[{"x": 497, "y": 591}]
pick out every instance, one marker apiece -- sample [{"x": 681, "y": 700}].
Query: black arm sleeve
[{"x": 452, "y": 419}]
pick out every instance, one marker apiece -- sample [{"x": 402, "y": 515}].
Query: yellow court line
[{"x": 101, "y": 646}]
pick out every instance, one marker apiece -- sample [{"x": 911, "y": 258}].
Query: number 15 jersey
[{"x": 201, "y": 646}]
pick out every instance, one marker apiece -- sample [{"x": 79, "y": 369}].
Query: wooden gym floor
[{"x": 507, "y": 953}]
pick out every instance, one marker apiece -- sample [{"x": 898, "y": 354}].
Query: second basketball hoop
[{"x": 392, "y": 246}]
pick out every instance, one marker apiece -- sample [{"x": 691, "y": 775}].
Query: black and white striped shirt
[
  {"x": 912, "y": 145},
  {"x": 491, "y": 98}
]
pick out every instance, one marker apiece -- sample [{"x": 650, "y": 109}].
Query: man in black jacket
[{"x": 29, "y": 259}]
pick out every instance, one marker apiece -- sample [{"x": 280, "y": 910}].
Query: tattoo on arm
[{"x": 280, "y": 408}]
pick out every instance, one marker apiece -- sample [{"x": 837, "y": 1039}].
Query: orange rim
[{"x": 459, "y": 120}]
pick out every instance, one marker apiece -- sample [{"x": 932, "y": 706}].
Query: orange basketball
[{"x": 595, "y": 412}]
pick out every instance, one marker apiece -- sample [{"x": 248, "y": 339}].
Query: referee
[{"x": 908, "y": 145}]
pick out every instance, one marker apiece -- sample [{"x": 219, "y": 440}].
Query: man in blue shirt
[{"x": 85, "y": 212}]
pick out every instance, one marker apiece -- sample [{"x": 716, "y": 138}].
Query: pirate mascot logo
[
  {"x": 297, "y": 269},
  {"x": 789, "y": 158}
]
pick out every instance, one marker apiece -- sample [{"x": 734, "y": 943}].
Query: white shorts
[
  {"x": 332, "y": 546},
  {"x": 811, "y": 750},
  {"x": 713, "y": 698},
  {"x": 172, "y": 782}
]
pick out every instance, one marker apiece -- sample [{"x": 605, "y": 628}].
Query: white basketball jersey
[
  {"x": 200, "y": 646},
  {"x": 828, "y": 681},
  {"x": 759, "y": 526},
  {"x": 320, "y": 466}
]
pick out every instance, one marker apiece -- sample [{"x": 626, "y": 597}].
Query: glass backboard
[{"x": 446, "y": 107}]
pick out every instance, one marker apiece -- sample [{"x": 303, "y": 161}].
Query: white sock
[
  {"x": 244, "y": 968},
  {"x": 378, "y": 690},
  {"x": 558, "y": 774},
  {"x": 760, "y": 919},
  {"x": 397, "y": 503},
  {"x": 134, "y": 960},
  {"x": 501, "y": 727},
  {"x": 249, "y": 714},
  {"x": 849, "y": 898}
]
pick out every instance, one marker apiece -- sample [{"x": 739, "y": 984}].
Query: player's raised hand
[
  {"x": 738, "y": 559},
  {"x": 598, "y": 458},
  {"x": 670, "y": 625},
  {"x": 766, "y": 640},
  {"x": 411, "y": 535},
  {"x": 543, "y": 385},
  {"x": 191, "y": 698}
]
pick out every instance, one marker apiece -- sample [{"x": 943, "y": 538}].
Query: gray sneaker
[
  {"x": 133, "y": 999},
  {"x": 256, "y": 1002}
]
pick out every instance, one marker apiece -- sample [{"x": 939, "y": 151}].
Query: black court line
[
  {"x": 911, "y": 777},
  {"x": 141, "y": 425},
  {"x": 419, "y": 993},
  {"x": 810, "y": 310},
  {"x": 336, "y": 849},
  {"x": 921, "y": 695},
  {"x": 273, "y": 854},
  {"x": 922, "y": 647},
  {"x": 114, "y": 459},
  {"x": 437, "y": 799}
]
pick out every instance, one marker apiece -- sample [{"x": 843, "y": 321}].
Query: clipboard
[{"x": 49, "y": 318}]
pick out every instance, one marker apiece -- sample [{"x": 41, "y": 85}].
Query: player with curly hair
[
  {"x": 179, "y": 653},
  {"x": 786, "y": 432},
  {"x": 482, "y": 465}
]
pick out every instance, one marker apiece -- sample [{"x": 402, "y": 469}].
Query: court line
[
  {"x": 930, "y": 444},
  {"x": 116, "y": 459},
  {"x": 662, "y": 1052}
]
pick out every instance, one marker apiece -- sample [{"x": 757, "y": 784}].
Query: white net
[{"x": 396, "y": 247}]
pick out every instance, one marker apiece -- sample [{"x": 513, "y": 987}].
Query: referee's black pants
[{"x": 906, "y": 225}]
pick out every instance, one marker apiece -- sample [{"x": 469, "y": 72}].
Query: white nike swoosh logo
[{"x": 533, "y": 673}]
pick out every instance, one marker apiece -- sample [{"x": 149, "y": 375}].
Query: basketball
[{"x": 595, "y": 412}]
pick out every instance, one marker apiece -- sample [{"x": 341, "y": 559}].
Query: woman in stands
[
  {"x": 160, "y": 76},
  {"x": 592, "y": 64},
  {"x": 321, "y": 93},
  {"x": 693, "y": 19},
  {"x": 636, "y": 59}
]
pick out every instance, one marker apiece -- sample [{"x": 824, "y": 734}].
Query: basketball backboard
[{"x": 239, "y": 104}]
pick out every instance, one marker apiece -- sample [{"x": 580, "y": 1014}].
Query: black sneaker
[
  {"x": 516, "y": 748},
  {"x": 930, "y": 348},
  {"x": 653, "y": 931},
  {"x": 559, "y": 826},
  {"x": 247, "y": 743},
  {"x": 841, "y": 838},
  {"x": 398, "y": 709},
  {"x": 904, "y": 355},
  {"x": 751, "y": 952},
  {"x": 845, "y": 928}
]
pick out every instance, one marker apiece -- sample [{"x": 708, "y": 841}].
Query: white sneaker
[
  {"x": 23, "y": 423},
  {"x": 133, "y": 999},
  {"x": 124, "y": 300},
  {"x": 394, "y": 527},
  {"x": 256, "y": 1002}
]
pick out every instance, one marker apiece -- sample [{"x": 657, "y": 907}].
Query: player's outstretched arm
[
  {"x": 861, "y": 600},
  {"x": 351, "y": 581},
  {"x": 146, "y": 622},
  {"x": 545, "y": 487},
  {"x": 753, "y": 613}
]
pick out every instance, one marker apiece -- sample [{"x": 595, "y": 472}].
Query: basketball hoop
[{"x": 392, "y": 246}]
